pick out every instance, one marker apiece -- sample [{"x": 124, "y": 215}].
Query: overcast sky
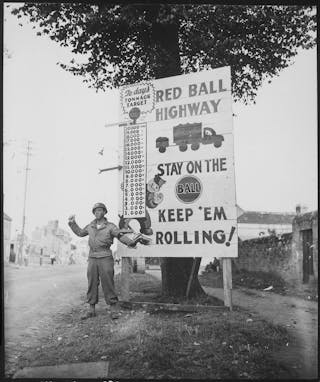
[{"x": 275, "y": 140}]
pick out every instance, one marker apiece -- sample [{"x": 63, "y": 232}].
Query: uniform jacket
[{"x": 100, "y": 239}]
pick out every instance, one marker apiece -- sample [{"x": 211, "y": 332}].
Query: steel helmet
[{"x": 99, "y": 205}]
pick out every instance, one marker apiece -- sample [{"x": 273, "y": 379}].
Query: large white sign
[{"x": 182, "y": 148}]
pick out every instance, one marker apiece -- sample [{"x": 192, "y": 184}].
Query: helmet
[{"x": 99, "y": 205}]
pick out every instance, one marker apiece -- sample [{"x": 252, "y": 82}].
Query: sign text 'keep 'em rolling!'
[{"x": 213, "y": 236}]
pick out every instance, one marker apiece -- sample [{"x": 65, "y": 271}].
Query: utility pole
[{"x": 24, "y": 205}]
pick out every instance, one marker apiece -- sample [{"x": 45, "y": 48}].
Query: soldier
[
  {"x": 12, "y": 256},
  {"x": 41, "y": 256},
  {"x": 100, "y": 262}
]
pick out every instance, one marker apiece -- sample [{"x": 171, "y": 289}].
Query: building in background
[
  {"x": 51, "y": 239},
  {"x": 81, "y": 252},
  {"x": 82, "y": 247},
  {"x": 254, "y": 224},
  {"x": 6, "y": 236},
  {"x": 258, "y": 224},
  {"x": 16, "y": 241}
]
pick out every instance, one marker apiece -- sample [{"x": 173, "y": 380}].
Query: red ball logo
[{"x": 188, "y": 189}]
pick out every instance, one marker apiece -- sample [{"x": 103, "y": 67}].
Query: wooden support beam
[
  {"x": 126, "y": 269},
  {"x": 191, "y": 276},
  {"x": 227, "y": 281},
  {"x": 157, "y": 306},
  {"x": 110, "y": 168}
]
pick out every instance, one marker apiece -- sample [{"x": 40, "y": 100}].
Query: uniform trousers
[{"x": 101, "y": 268}]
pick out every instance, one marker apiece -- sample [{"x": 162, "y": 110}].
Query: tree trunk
[
  {"x": 165, "y": 52},
  {"x": 175, "y": 274},
  {"x": 166, "y": 62}
]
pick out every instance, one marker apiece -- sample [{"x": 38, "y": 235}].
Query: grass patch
[
  {"x": 141, "y": 283},
  {"x": 211, "y": 279},
  {"x": 248, "y": 279},
  {"x": 260, "y": 280},
  {"x": 202, "y": 345},
  {"x": 146, "y": 288}
]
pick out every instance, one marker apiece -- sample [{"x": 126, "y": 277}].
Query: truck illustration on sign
[{"x": 190, "y": 134}]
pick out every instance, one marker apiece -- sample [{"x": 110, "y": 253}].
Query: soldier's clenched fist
[{"x": 72, "y": 218}]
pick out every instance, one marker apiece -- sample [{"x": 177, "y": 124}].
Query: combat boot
[
  {"x": 90, "y": 313},
  {"x": 114, "y": 310}
]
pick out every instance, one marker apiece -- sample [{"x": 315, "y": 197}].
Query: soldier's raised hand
[{"x": 72, "y": 218}]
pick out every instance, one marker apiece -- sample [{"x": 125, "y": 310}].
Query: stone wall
[
  {"x": 300, "y": 223},
  {"x": 282, "y": 255},
  {"x": 269, "y": 254}
]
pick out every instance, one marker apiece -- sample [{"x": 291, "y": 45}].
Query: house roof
[
  {"x": 256, "y": 217},
  {"x": 308, "y": 216},
  {"x": 6, "y": 217}
]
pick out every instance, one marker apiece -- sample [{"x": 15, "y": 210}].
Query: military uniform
[{"x": 100, "y": 261}]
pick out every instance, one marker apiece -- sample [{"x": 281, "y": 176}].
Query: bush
[
  {"x": 259, "y": 280},
  {"x": 213, "y": 266}
]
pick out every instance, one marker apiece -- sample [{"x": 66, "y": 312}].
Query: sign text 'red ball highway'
[{"x": 177, "y": 185}]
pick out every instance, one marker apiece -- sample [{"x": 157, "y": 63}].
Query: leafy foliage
[{"x": 126, "y": 43}]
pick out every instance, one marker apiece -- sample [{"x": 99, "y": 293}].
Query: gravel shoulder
[{"x": 300, "y": 317}]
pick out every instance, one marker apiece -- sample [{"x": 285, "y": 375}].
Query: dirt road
[
  {"x": 300, "y": 317},
  {"x": 34, "y": 296}
]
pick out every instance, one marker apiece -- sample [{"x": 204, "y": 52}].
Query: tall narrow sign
[
  {"x": 177, "y": 181},
  {"x": 134, "y": 177}
]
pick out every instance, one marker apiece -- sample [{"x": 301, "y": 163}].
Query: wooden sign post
[
  {"x": 227, "y": 281},
  {"x": 191, "y": 276},
  {"x": 126, "y": 269}
]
